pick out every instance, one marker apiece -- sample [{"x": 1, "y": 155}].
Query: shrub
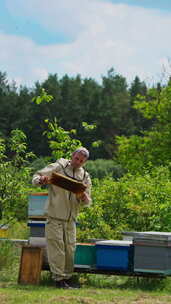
[
  {"x": 134, "y": 203},
  {"x": 101, "y": 168},
  {"x": 15, "y": 176}
]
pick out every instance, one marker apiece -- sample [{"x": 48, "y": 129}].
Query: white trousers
[{"x": 61, "y": 241}]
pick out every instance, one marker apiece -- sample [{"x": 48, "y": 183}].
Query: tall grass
[
  {"x": 10, "y": 252},
  {"x": 6, "y": 254}
]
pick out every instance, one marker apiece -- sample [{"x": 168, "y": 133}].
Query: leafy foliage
[
  {"x": 153, "y": 148},
  {"x": 15, "y": 176},
  {"x": 42, "y": 97},
  {"x": 134, "y": 203},
  {"x": 61, "y": 141}
]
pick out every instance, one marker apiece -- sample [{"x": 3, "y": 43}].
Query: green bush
[
  {"x": 134, "y": 203},
  {"x": 39, "y": 163},
  {"x": 101, "y": 168},
  {"x": 15, "y": 176},
  {"x": 18, "y": 230}
]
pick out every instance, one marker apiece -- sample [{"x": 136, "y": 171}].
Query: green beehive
[{"x": 85, "y": 255}]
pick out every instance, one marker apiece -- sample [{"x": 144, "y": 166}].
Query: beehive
[
  {"x": 4, "y": 231},
  {"x": 85, "y": 255},
  {"x": 37, "y": 203},
  {"x": 37, "y": 228},
  {"x": 114, "y": 255},
  {"x": 152, "y": 252}
]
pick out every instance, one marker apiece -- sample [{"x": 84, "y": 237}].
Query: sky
[{"x": 85, "y": 37}]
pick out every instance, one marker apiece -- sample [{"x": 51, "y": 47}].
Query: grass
[
  {"x": 12, "y": 293},
  {"x": 96, "y": 289}
]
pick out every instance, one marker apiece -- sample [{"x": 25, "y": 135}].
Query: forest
[
  {"x": 127, "y": 129},
  {"x": 76, "y": 102}
]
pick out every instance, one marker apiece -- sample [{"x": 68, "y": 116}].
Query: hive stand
[{"x": 30, "y": 265}]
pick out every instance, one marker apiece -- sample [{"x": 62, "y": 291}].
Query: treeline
[{"x": 108, "y": 106}]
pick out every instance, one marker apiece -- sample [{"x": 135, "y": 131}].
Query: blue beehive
[
  {"x": 114, "y": 255},
  {"x": 37, "y": 204}
]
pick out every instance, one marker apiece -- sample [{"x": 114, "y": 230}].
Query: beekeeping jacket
[{"x": 63, "y": 204}]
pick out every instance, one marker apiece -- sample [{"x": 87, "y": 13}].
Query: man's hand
[
  {"x": 43, "y": 180},
  {"x": 84, "y": 197}
]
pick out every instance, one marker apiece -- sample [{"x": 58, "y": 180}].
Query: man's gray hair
[{"x": 83, "y": 150}]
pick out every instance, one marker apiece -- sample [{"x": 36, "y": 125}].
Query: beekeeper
[{"x": 62, "y": 209}]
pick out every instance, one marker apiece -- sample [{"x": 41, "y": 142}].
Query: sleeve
[
  {"x": 47, "y": 171},
  {"x": 88, "y": 182}
]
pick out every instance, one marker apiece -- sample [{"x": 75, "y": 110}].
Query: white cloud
[
  {"x": 67, "y": 17},
  {"x": 133, "y": 40},
  {"x": 20, "y": 58}
]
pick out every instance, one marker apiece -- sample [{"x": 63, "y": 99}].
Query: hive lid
[
  {"x": 114, "y": 243},
  {"x": 38, "y": 241},
  {"x": 150, "y": 235},
  {"x": 37, "y": 222},
  {"x": 4, "y": 227},
  {"x": 85, "y": 244},
  {"x": 38, "y": 194}
]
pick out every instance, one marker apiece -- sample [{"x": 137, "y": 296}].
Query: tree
[
  {"x": 8, "y": 100},
  {"x": 113, "y": 111},
  {"x": 71, "y": 112},
  {"x": 140, "y": 123},
  {"x": 90, "y": 96},
  {"x": 153, "y": 148}
]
